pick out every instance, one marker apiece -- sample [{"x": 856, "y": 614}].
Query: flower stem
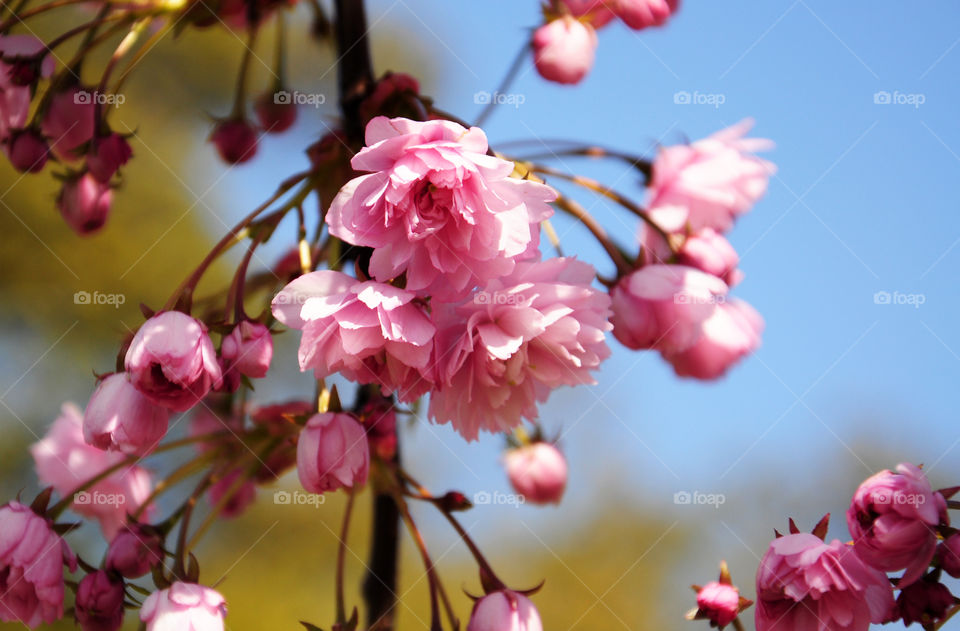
[
  {"x": 342, "y": 557},
  {"x": 508, "y": 79}
]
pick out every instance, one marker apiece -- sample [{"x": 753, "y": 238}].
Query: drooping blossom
[
  {"x": 538, "y": 472},
  {"x": 276, "y": 419},
  {"x": 710, "y": 182},
  {"x": 27, "y": 150},
  {"x": 370, "y": 332},
  {"x": 276, "y": 111},
  {"x": 925, "y": 601},
  {"x": 948, "y": 553},
  {"x": 84, "y": 203},
  {"x": 332, "y": 453},
  {"x": 597, "y": 12},
  {"x": 172, "y": 362},
  {"x": 135, "y": 550},
  {"x": 65, "y": 461},
  {"x": 564, "y": 50},
  {"x": 719, "y": 603},
  {"x": 119, "y": 417},
  {"x": 436, "y": 208},
  {"x": 804, "y": 583},
  {"x": 641, "y": 14},
  {"x": 235, "y": 140},
  {"x": 107, "y": 155},
  {"x": 237, "y": 494},
  {"x": 892, "y": 517},
  {"x": 68, "y": 122},
  {"x": 99, "y": 603},
  {"x": 248, "y": 349},
  {"x": 541, "y": 327},
  {"x": 504, "y": 611},
  {"x": 664, "y": 306},
  {"x": 15, "y": 87},
  {"x": 732, "y": 332},
  {"x": 32, "y": 557},
  {"x": 184, "y": 607}
]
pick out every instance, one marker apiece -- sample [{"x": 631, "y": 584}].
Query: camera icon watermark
[
  {"x": 483, "y": 498},
  {"x": 712, "y": 99},
  {"x": 899, "y": 98},
  {"x": 298, "y": 498},
  {"x": 500, "y": 298},
  {"x": 99, "y": 299},
  {"x": 499, "y": 98},
  {"x": 283, "y": 97},
  {"x": 887, "y": 498},
  {"x": 97, "y": 498},
  {"x": 696, "y": 498},
  {"x": 684, "y": 298},
  {"x": 83, "y": 97},
  {"x": 899, "y": 298}
]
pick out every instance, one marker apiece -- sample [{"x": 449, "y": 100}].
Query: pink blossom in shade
[
  {"x": 172, "y": 362},
  {"x": 641, "y": 14},
  {"x": 719, "y": 603},
  {"x": 538, "y": 472},
  {"x": 925, "y": 601},
  {"x": 85, "y": 203},
  {"x": 948, "y": 554},
  {"x": 437, "y": 208},
  {"x": 892, "y": 518},
  {"x": 235, "y": 140},
  {"x": 15, "y": 95},
  {"x": 664, "y": 306},
  {"x": 595, "y": 12},
  {"x": 710, "y": 182},
  {"x": 275, "y": 115},
  {"x": 134, "y": 551},
  {"x": 119, "y": 417},
  {"x": 332, "y": 453},
  {"x": 65, "y": 461},
  {"x": 370, "y": 332},
  {"x": 804, "y": 583},
  {"x": 210, "y": 418},
  {"x": 239, "y": 498},
  {"x": 564, "y": 50},
  {"x": 68, "y": 121},
  {"x": 248, "y": 349},
  {"x": 732, "y": 332},
  {"x": 504, "y": 611},
  {"x": 99, "y": 602},
  {"x": 709, "y": 251},
  {"x": 184, "y": 607},
  {"x": 541, "y": 327},
  {"x": 277, "y": 421},
  {"x": 27, "y": 150},
  {"x": 32, "y": 557},
  {"x": 107, "y": 155}
]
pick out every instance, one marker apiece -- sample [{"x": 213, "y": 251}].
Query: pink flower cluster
[
  {"x": 894, "y": 518},
  {"x": 565, "y": 46},
  {"x": 458, "y": 304},
  {"x": 677, "y": 302}
]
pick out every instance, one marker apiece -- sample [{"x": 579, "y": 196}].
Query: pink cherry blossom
[
  {"x": 368, "y": 331},
  {"x": 437, "y": 208},
  {"x": 172, "y": 362},
  {"x": 107, "y": 155},
  {"x": 15, "y": 95},
  {"x": 710, "y": 182},
  {"x": 709, "y": 251},
  {"x": 664, "y": 306},
  {"x": 99, "y": 603},
  {"x": 521, "y": 336},
  {"x": 85, "y": 203},
  {"x": 804, "y": 583},
  {"x": 135, "y": 550},
  {"x": 596, "y": 12},
  {"x": 332, "y": 453},
  {"x": 640, "y": 14},
  {"x": 925, "y": 601},
  {"x": 732, "y": 332},
  {"x": 504, "y": 611},
  {"x": 32, "y": 557},
  {"x": 27, "y": 150},
  {"x": 119, "y": 417},
  {"x": 719, "y": 603},
  {"x": 68, "y": 121},
  {"x": 538, "y": 472},
  {"x": 248, "y": 349},
  {"x": 235, "y": 140},
  {"x": 892, "y": 518},
  {"x": 564, "y": 50},
  {"x": 184, "y": 607},
  {"x": 65, "y": 461},
  {"x": 948, "y": 554}
]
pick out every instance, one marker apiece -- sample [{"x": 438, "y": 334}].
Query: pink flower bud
[
  {"x": 172, "y": 362},
  {"x": 276, "y": 112},
  {"x": 731, "y": 333},
  {"x": 135, "y": 551},
  {"x": 107, "y": 155},
  {"x": 892, "y": 518},
  {"x": 119, "y": 417},
  {"x": 380, "y": 418},
  {"x": 504, "y": 611},
  {"x": 32, "y": 556},
  {"x": 184, "y": 606},
  {"x": 99, "y": 602},
  {"x": 564, "y": 49},
  {"x": 235, "y": 140},
  {"x": 707, "y": 250},
  {"x": 596, "y": 12},
  {"x": 332, "y": 453},
  {"x": 248, "y": 349},
  {"x": 538, "y": 472},
  {"x": 85, "y": 203},
  {"x": 719, "y": 603},
  {"x": 925, "y": 601},
  {"x": 27, "y": 150},
  {"x": 640, "y": 14},
  {"x": 948, "y": 553},
  {"x": 68, "y": 122}
]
